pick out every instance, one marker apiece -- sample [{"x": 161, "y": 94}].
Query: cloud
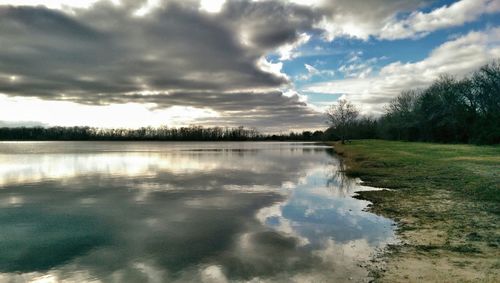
[
  {"x": 313, "y": 71},
  {"x": 269, "y": 26},
  {"x": 286, "y": 51},
  {"x": 56, "y": 55},
  {"x": 397, "y": 19},
  {"x": 457, "y": 57},
  {"x": 360, "y": 19},
  {"x": 420, "y": 23},
  {"x": 175, "y": 54},
  {"x": 53, "y": 4},
  {"x": 359, "y": 70},
  {"x": 212, "y": 6}
]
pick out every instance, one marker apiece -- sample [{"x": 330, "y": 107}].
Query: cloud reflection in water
[{"x": 205, "y": 212}]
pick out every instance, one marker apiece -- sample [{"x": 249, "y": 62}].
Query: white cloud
[
  {"x": 65, "y": 113},
  {"x": 361, "y": 70},
  {"x": 420, "y": 23},
  {"x": 313, "y": 71},
  {"x": 53, "y": 4},
  {"x": 356, "y": 67},
  {"x": 147, "y": 8},
  {"x": 382, "y": 18},
  {"x": 213, "y": 273},
  {"x": 360, "y": 19},
  {"x": 288, "y": 51},
  {"x": 344, "y": 25},
  {"x": 307, "y": 2},
  {"x": 212, "y": 6},
  {"x": 272, "y": 68},
  {"x": 292, "y": 93},
  {"x": 457, "y": 57},
  {"x": 310, "y": 69}
]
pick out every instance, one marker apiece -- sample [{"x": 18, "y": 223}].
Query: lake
[{"x": 182, "y": 212}]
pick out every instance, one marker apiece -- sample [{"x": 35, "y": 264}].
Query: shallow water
[{"x": 186, "y": 212}]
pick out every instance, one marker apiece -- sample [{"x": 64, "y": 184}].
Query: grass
[{"x": 446, "y": 199}]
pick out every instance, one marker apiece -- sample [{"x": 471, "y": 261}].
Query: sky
[{"x": 275, "y": 65}]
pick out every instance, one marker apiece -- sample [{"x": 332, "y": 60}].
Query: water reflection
[{"x": 200, "y": 212}]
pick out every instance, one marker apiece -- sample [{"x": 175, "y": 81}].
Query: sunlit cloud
[
  {"x": 212, "y": 6},
  {"x": 148, "y": 7},
  {"x": 127, "y": 115},
  {"x": 57, "y": 4}
]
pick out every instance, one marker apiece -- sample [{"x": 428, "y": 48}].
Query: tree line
[
  {"x": 192, "y": 133},
  {"x": 450, "y": 110}
]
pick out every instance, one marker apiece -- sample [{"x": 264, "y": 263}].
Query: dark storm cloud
[
  {"x": 188, "y": 57},
  {"x": 106, "y": 50},
  {"x": 269, "y": 24},
  {"x": 176, "y": 48}
]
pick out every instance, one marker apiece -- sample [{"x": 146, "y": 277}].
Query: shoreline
[{"x": 444, "y": 199}]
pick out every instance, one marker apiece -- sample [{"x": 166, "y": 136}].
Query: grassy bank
[{"x": 446, "y": 199}]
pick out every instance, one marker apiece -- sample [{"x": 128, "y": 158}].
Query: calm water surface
[{"x": 181, "y": 212}]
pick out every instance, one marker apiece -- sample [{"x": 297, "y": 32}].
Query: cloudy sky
[{"x": 270, "y": 64}]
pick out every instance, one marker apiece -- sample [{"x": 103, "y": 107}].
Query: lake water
[{"x": 181, "y": 212}]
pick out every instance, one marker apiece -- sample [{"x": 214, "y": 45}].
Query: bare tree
[{"x": 340, "y": 116}]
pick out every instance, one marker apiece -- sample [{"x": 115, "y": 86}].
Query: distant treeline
[
  {"x": 193, "y": 133},
  {"x": 448, "y": 111}
]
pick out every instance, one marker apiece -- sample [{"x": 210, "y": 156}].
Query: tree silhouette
[{"x": 341, "y": 116}]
